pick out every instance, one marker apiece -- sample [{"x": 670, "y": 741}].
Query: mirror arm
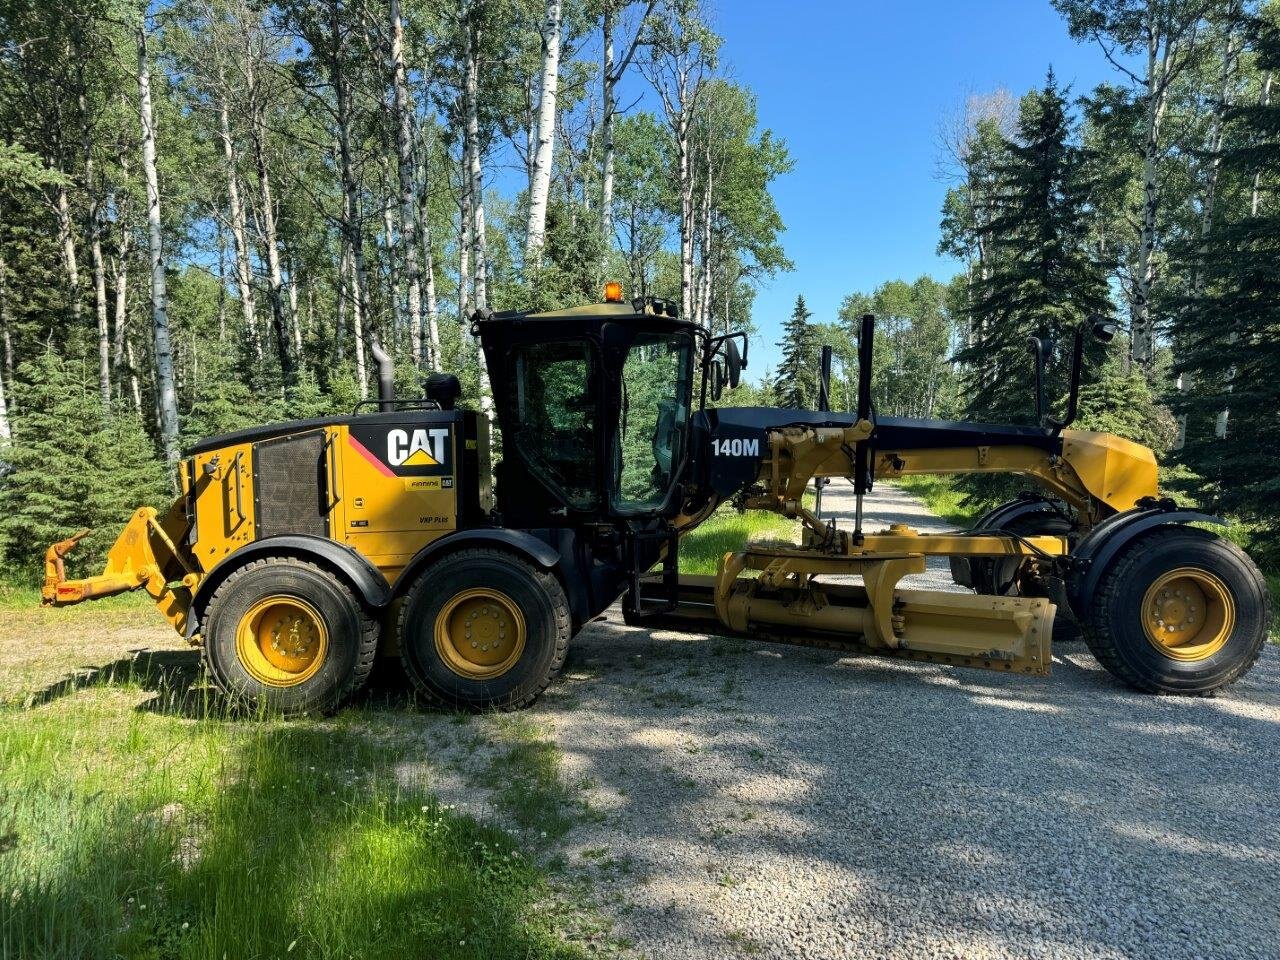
[
  {"x": 1039, "y": 347},
  {"x": 824, "y": 380},
  {"x": 1073, "y": 397}
]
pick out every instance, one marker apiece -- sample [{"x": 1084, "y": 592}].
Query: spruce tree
[
  {"x": 74, "y": 466},
  {"x": 1226, "y": 333},
  {"x": 1044, "y": 279},
  {"x": 796, "y": 382}
]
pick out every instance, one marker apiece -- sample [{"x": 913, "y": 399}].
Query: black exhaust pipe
[{"x": 386, "y": 377}]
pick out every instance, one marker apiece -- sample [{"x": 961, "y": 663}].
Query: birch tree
[
  {"x": 405, "y": 136},
  {"x": 235, "y": 209},
  {"x": 681, "y": 55},
  {"x": 544, "y": 147},
  {"x": 472, "y": 162},
  {"x": 166, "y": 395}
]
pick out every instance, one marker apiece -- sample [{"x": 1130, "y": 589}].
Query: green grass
[
  {"x": 727, "y": 530},
  {"x": 940, "y": 496},
  {"x": 24, "y": 594},
  {"x": 136, "y": 832},
  {"x": 524, "y": 777}
]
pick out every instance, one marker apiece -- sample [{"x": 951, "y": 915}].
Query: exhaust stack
[{"x": 386, "y": 377}]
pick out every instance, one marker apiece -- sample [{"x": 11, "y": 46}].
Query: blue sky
[{"x": 862, "y": 204}]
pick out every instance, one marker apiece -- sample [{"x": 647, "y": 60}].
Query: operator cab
[{"x": 594, "y": 405}]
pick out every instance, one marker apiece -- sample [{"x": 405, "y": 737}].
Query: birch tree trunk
[
  {"x": 344, "y": 293},
  {"x": 100, "y": 304},
  {"x": 166, "y": 397},
  {"x": 540, "y": 183},
  {"x": 686, "y": 215},
  {"x": 1255, "y": 198},
  {"x": 244, "y": 270},
  {"x": 295, "y": 318},
  {"x": 93, "y": 233},
  {"x": 267, "y": 223},
  {"x": 393, "y": 270},
  {"x": 464, "y": 240},
  {"x": 474, "y": 172},
  {"x": 222, "y": 281},
  {"x": 67, "y": 238},
  {"x": 134, "y": 386},
  {"x": 408, "y": 209},
  {"x": 1143, "y": 325},
  {"x": 121, "y": 277},
  {"x": 703, "y": 308},
  {"x": 428, "y": 266},
  {"x": 607, "y": 84},
  {"x": 609, "y": 79},
  {"x": 351, "y": 204}
]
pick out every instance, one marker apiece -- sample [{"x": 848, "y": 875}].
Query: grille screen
[{"x": 289, "y": 485}]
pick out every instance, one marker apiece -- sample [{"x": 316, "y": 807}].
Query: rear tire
[
  {"x": 482, "y": 629},
  {"x": 1180, "y": 610},
  {"x": 287, "y": 636}
]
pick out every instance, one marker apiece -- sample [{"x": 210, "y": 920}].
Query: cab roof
[{"x": 639, "y": 308}]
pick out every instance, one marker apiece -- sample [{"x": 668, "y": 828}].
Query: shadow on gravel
[{"x": 918, "y": 804}]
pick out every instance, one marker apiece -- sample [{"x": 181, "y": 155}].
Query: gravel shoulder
[{"x": 768, "y": 801}]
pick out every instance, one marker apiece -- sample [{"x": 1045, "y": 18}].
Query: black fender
[
  {"x": 1094, "y": 553},
  {"x": 519, "y": 542},
  {"x": 337, "y": 557},
  {"x": 1006, "y": 513}
]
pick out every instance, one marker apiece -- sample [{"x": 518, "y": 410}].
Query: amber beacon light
[{"x": 613, "y": 292}]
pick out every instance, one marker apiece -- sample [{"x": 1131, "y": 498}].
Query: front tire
[
  {"x": 483, "y": 629},
  {"x": 1180, "y": 610},
  {"x": 287, "y": 636}
]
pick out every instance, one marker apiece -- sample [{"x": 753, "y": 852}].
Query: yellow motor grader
[{"x": 298, "y": 552}]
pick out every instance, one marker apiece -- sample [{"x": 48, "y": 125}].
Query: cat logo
[
  {"x": 404, "y": 449},
  {"x": 421, "y": 448}
]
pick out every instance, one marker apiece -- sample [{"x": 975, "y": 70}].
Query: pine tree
[
  {"x": 1044, "y": 279},
  {"x": 73, "y": 466},
  {"x": 796, "y": 382},
  {"x": 1227, "y": 336}
]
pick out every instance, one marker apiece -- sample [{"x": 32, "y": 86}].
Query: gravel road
[{"x": 770, "y": 801}]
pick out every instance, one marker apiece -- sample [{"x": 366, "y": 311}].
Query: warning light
[{"x": 613, "y": 292}]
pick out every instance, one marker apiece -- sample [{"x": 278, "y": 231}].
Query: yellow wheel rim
[
  {"x": 480, "y": 634},
  {"x": 281, "y": 641},
  {"x": 1188, "y": 614}
]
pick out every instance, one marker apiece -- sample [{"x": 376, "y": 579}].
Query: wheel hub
[
  {"x": 281, "y": 641},
  {"x": 1188, "y": 614},
  {"x": 480, "y": 634}
]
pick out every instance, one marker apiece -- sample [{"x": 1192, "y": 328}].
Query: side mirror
[
  {"x": 717, "y": 380},
  {"x": 1104, "y": 330},
  {"x": 732, "y": 363}
]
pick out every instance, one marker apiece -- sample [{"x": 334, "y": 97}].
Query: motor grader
[{"x": 299, "y": 552}]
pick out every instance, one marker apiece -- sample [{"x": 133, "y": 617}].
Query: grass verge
[
  {"x": 940, "y": 495},
  {"x": 727, "y": 530},
  {"x": 175, "y": 829}
]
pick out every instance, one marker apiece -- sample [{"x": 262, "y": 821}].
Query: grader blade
[{"x": 787, "y": 602}]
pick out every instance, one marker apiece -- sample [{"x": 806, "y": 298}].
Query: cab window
[
  {"x": 555, "y": 415},
  {"x": 653, "y": 419}
]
